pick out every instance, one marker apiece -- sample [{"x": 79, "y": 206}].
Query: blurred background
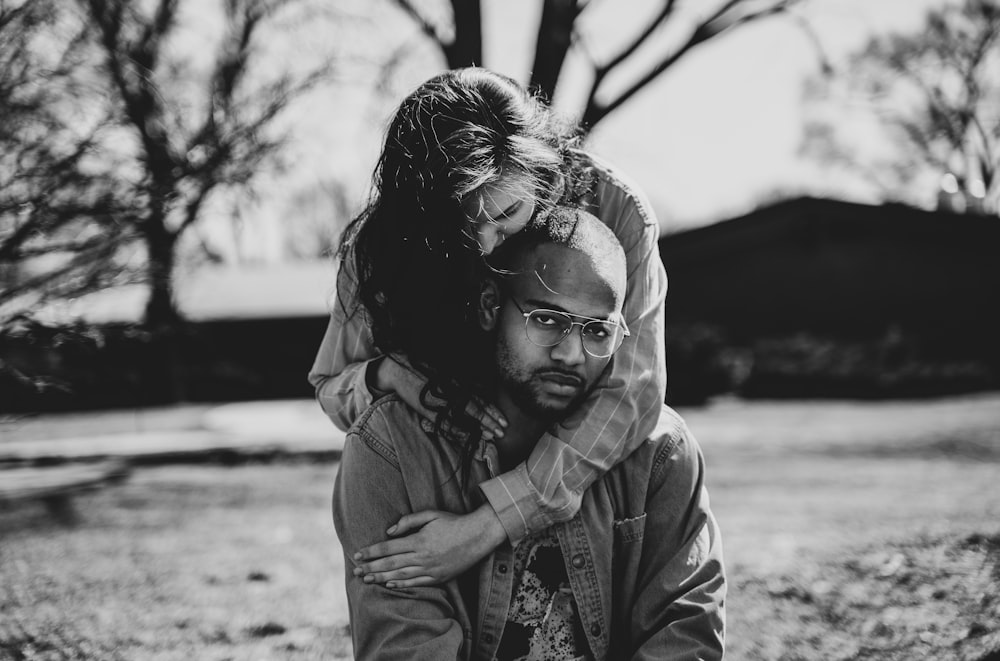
[
  {"x": 823, "y": 172},
  {"x": 174, "y": 176}
]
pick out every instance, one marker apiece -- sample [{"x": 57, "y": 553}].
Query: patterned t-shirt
[{"x": 543, "y": 622}]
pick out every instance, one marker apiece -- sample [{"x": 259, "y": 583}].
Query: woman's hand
[
  {"x": 430, "y": 548},
  {"x": 394, "y": 374}
]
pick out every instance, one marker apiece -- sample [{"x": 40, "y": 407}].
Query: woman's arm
[
  {"x": 623, "y": 409},
  {"x": 345, "y": 367},
  {"x": 616, "y": 418}
]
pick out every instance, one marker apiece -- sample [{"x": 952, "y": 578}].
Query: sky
[
  {"x": 714, "y": 137},
  {"x": 721, "y": 132}
]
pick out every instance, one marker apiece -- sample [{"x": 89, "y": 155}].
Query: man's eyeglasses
[{"x": 547, "y": 328}]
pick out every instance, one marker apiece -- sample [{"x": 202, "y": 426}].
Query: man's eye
[
  {"x": 546, "y": 320},
  {"x": 597, "y": 331}
]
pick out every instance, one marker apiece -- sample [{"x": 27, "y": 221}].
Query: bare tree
[
  {"x": 184, "y": 155},
  {"x": 935, "y": 93},
  {"x": 110, "y": 149},
  {"x": 461, "y": 43},
  {"x": 59, "y": 211}
]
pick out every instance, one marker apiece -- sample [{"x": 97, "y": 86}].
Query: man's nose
[{"x": 570, "y": 351}]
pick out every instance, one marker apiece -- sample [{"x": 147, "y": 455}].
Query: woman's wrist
[{"x": 377, "y": 378}]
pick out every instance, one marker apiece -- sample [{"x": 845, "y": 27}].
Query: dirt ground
[{"x": 851, "y": 531}]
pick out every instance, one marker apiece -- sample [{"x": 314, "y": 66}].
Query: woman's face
[{"x": 498, "y": 210}]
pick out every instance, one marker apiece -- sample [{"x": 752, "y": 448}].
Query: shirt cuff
[{"x": 515, "y": 502}]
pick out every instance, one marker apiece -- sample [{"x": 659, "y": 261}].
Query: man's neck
[{"x": 521, "y": 434}]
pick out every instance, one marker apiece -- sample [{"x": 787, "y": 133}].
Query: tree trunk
[
  {"x": 554, "y": 37},
  {"x": 161, "y": 309},
  {"x": 467, "y": 49},
  {"x": 161, "y": 378}
]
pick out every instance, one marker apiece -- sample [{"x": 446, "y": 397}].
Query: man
[{"x": 636, "y": 574}]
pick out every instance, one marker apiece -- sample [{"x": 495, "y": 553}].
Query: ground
[{"x": 851, "y": 531}]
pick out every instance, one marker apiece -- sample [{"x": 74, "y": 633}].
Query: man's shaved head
[{"x": 577, "y": 230}]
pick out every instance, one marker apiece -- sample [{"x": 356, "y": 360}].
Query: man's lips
[{"x": 561, "y": 383}]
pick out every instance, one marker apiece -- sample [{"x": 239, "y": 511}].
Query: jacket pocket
[
  {"x": 626, "y": 553},
  {"x": 629, "y": 530}
]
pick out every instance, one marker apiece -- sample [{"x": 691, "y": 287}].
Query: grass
[
  {"x": 861, "y": 558},
  {"x": 180, "y": 562},
  {"x": 851, "y": 531}
]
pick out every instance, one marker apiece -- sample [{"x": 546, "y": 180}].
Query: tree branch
[
  {"x": 425, "y": 26},
  {"x": 142, "y": 102},
  {"x": 665, "y": 12},
  {"x": 10, "y": 14},
  {"x": 709, "y": 28},
  {"x": 466, "y": 49},
  {"x": 146, "y": 51},
  {"x": 54, "y": 248},
  {"x": 555, "y": 34},
  {"x": 44, "y": 282}
]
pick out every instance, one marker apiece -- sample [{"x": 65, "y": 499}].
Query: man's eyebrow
[{"x": 538, "y": 303}]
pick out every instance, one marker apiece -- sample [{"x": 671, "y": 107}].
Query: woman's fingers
[
  {"x": 411, "y": 522},
  {"x": 416, "y": 582},
  {"x": 384, "y": 549},
  {"x": 402, "y": 551},
  {"x": 389, "y": 564},
  {"x": 396, "y": 571},
  {"x": 404, "y": 574},
  {"x": 489, "y": 416},
  {"x": 494, "y": 414}
]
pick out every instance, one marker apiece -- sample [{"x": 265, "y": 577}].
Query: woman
[{"x": 471, "y": 158}]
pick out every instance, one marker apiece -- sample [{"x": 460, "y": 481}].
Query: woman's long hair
[{"x": 413, "y": 248}]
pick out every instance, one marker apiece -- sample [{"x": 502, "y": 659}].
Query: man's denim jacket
[{"x": 644, "y": 556}]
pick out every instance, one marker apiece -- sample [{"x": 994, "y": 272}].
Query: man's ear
[{"x": 489, "y": 304}]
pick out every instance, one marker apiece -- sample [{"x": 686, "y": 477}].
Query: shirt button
[
  {"x": 595, "y": 629},
  {"x": 502, "y": 569},
  {"x": 488, "y": 638},
  {"x": 579, "y": 561}
]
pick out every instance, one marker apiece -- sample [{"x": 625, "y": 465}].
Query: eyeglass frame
[{"x": 582, "y": 324}]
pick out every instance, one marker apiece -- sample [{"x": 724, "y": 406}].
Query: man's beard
[{"x": 523, "y": 389}]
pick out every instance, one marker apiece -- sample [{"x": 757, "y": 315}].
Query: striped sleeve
[
  {"x": 341, "y": 366},
  {"x": 625, "y": 405}
]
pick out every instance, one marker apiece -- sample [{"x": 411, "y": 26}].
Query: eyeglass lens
[{"x": 547, "y": 328}]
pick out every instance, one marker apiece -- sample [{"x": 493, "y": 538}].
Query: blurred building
[
  {"x": 802, "y": 298},
  {"x": 250, "y": 333},
  {"x": 893, "y": 299}
]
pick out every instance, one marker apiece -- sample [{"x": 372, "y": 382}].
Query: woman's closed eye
[{"x": 508, "y": 212}]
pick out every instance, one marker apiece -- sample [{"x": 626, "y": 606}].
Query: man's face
[{"x": 547, "y": 382}]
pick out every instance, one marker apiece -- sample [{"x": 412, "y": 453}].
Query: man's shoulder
[
  {"x": 388, "y": 421},
  {"x": 670, "y": 427},
  {"x": 670, "y": 443}
]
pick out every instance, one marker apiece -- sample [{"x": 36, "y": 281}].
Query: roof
[
  {"x": 823, "y": 220},
  {"x": 298, "y": 289}
]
